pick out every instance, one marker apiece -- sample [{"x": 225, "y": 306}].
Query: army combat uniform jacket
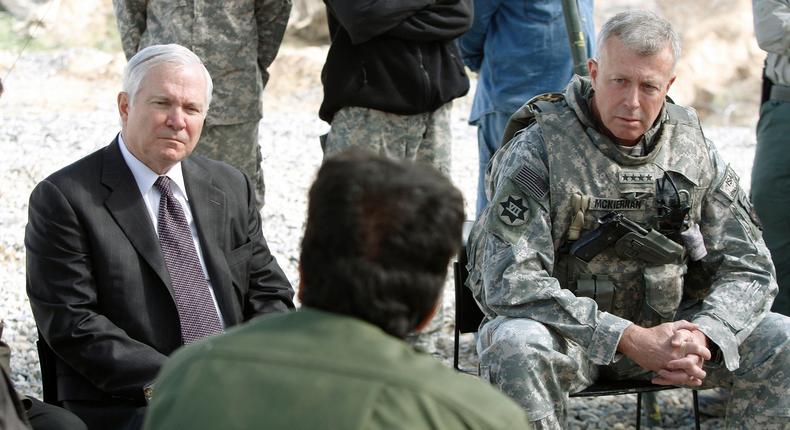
[
  {"x": 560, "y": 174},
  {"x": 237, "y": 41}
]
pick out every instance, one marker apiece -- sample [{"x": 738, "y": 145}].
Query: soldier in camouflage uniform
[
  {"x": 696, "y": 316},
  {"x": 390, "y": 76},
  {"x": 237, "y": 41}
]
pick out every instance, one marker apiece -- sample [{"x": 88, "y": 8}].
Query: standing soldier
[
  {"x": 390, "y": 76},
  {"x": 237, "y": 41}
]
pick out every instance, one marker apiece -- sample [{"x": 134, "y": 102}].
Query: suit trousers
[
  {"x": 108, "y": 414},
  {"x": 43, "y": 416}
]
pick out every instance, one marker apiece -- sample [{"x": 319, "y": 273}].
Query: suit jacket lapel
[
  {"x": 209, "y": 208},
  {"x": 129, "y": 211}
]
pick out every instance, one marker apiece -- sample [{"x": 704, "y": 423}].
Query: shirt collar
[{"x": 145, "y": 177}]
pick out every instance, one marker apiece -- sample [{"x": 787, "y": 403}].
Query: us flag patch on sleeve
[{"x": 531, "y": 183}]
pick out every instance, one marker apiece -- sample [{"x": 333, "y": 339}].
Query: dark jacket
[
  {"x": 97, "y": 280},
  {"x": 398, "y": 57}
]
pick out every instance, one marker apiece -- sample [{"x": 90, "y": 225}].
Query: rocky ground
[{"x": 59, "y": 106}]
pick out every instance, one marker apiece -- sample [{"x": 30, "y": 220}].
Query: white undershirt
[{"x": 145, "y": 178}]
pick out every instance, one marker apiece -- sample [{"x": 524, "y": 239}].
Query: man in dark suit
[{"x": 139, "y": 248}]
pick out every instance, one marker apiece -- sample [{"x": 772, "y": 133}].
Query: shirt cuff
[
  {"x": 719, "y": 334},
  {"x": 606, "y": 337}
]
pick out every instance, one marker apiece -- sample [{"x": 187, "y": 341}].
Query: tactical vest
[{"x": 590, "y": 177}]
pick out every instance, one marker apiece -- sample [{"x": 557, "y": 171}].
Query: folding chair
[
  {"x": 49, "y": 378},
  {"x": 468, "y": 317}
]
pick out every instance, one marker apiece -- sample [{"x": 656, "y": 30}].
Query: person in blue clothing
[{"x": 519, "y": 49}]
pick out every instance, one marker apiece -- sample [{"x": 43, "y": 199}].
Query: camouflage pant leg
[
  {"x": 760, "y": 387},
  {"x": 237, "y": 145},
  {"x": 423, "y": 137},
  {"x": 425, "y": 340},
  {"x": 534, "y": 366},
  {"x": 436, "y": 146}
]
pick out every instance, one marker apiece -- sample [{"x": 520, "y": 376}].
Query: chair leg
[
  {"x": 652, "y": 409},
  {"x": 696, "y": 409},
  {"x": 455, "y": 347},
  {"x": 638, "y": 411}
]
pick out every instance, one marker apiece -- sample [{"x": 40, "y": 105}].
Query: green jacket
[{"x": 315, "y": 370}]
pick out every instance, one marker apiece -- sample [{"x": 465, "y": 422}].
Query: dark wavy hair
[{"x": 379, "y": 236}]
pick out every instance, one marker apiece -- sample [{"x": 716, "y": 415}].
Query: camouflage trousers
[
  {"x": 538, "y": 368},
  {"x": 423, "y": 137},
  {"x": 237, "y": 145}
]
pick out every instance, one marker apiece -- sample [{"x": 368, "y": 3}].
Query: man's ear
[
  {"x": 671, "y": 81},
  {"x": 592, "y": 66},
  {"x": 123, "y": 106},
  {"x": 429, "y": 316}
]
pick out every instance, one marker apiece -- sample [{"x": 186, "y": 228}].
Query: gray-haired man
[
  {"x": 140, "y": 247},
  {"x": 619, "y": 244}
]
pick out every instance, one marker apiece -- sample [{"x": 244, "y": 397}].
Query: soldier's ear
[
  {"x": 669, "y": 84},
  {"x": 592, "y": 66}
]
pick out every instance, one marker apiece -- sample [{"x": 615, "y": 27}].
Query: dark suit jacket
[{"x": 97, "y": 279}]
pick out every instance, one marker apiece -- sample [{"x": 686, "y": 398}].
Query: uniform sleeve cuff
[
  {"x": 719, "y": 334},
  {"x": 606, "y": 337}
]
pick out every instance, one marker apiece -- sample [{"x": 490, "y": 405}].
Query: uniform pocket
[{"x": 664, "y": 289}]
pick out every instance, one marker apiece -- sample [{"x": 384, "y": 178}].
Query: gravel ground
[{"x": 39, "y": 134}]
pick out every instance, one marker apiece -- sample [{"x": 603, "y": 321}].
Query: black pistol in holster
[{"x": 629, "y": 239}]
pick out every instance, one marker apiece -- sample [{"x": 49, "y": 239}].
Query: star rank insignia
[
  {"x": 636, "y": 177},
  {"x": 513, "y": 211}
]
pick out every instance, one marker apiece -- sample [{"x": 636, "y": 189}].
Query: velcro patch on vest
[
  {"x": 531, "y": 183},
  {"x": 600, "y": 204},
  {"x": 512, "y": 210},
  {"x": 627, "y": 177},
  {"x": 729, "y": 185}
]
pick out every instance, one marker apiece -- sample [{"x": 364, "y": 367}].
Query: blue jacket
[{"x": 520, "y": 49}]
